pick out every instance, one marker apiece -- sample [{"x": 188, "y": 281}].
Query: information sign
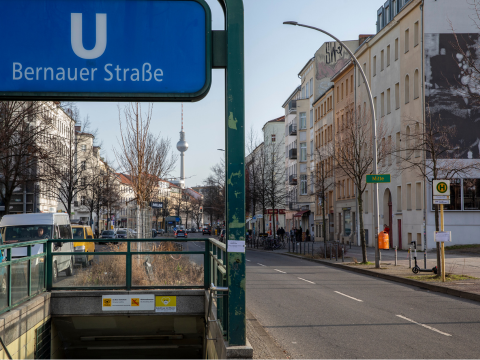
[
  {"x": 441, "y": 187},
  {"x": 118, "y": 50},
  {"x": 156, "y": 205},
  {"x": 237, "y": 246},
  {"x": 380, "y": 178},
  {"x": 443, "y": 236},
  {"x": 128, "y": 302},
  {"x": 165, "y": 304},
  {"x": 441, "y": 202}
]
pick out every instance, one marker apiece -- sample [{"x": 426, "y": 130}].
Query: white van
[{"x": 39, "y": 226}]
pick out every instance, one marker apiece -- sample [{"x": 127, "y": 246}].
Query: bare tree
[
  {"x": 433, "y": 152},
  {"x": 145, "y": 157},
  {"x": 197, "y": 211},
  {"x": 353, "y": 154},
  {"x": 24, "y": 134}
]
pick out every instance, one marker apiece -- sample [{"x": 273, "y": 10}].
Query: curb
[{"x": 420, "y": 284}]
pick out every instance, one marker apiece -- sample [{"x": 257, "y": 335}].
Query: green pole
[
  {"x": 49, "y": 262},
  {"x": 235, "y": 168}
]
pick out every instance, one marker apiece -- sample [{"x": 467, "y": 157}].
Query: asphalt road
[{"x": 315, "y": 311}]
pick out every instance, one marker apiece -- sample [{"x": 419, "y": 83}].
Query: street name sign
[
  {"x": 380, "y": 178},
  {"x": 441, "y": 202},
  {"x": 105, "y": 50},
  {"x": 156, "y": 205}
]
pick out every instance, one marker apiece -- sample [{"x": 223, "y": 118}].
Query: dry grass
[
  {"x": 147, "y": 270},
  {"x": 438, "y": 278},
  {"x": 469, "y": 249}
]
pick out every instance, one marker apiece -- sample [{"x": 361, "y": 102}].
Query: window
[
  {"x": 84, "y": 165},
  {"x": 396, "y": 49},
  {"x": 366, "y": 205},
  {"x": 417, "y": 132},
  {"x": 387, "y": 15},
  {"x": 351, "y": 83},
  {"x": 407, "y": 89},
  {"x": 83, "y": 200},
  {"x": 311, "y": 150},
  {"x": 407, "y": 42},
  {"x": 346, "y": 87},
  {"x": 303, "y": 184},
  {"x": 382, "y": 60},
  {"x": 416, "y": 86},
  {"x": 338, "y": 94},
  {"x": 374, "y": 65},
  {"x": 389, "y": 108},
  {"x": 394, "y": 7},
  {"x": 389, "y": 145},
  {"x": 311, "y": 118},
  {"x": 303, "y": 151},
  {"x": 382, "y": 105},
  {"x": 303, "y": 92},
  {"x": 415, "y": 34},
  {"x": 311, "y": 87},
  {"x": 397, "y": 96},
  {"x": 84, "y": 181},
  {"x": 388, "y": 55},
  {"x": 274, "y": 137},
  {"x": 418, "y": 196},
  {"x": 307, "y": 91},
  {"x": 364, "y": 70},
  {"x": 409, "y": 196},
  {"x": 342, "y": 91},
  {"x": 347, "y": 222},
  {"x": 375, "y": 108},
  {"x": 303, "y": 120},
  {"x": 471, "y": 194},
  {"x": 419, "y": 239},
  {"x": 397, "y": 146}
]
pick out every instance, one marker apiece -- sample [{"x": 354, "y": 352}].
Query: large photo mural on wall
[{"x": 452, "y": 44}]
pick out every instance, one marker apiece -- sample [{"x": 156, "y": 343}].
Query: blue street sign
[
  {"x": 105, "y": 49},
  {"x": 174, "y": 229}
]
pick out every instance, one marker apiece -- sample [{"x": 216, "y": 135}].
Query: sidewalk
[{"x": 457, "y": 263}]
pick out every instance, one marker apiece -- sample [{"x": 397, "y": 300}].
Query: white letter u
[{"x": 77, "y": 39}]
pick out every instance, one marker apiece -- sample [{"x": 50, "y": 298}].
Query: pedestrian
[{"x": 300, "y": 233}]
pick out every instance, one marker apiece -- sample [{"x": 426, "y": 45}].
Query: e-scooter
[{"x": 416, "y": 269}]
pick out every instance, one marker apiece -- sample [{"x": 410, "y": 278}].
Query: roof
[
  {"x": 323, "y": 94},
  {"x": 299, "y": 87},
  {"x": 124, "y": 179},
  {"x": 350, "y": 62},
  {"x": 279, "y": 119},
  {"x": 308, "y": 62}
]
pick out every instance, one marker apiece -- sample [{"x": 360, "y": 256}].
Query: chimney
[
  {"x": 78, "y": 128},
  {"x": 362, "y": 38}
]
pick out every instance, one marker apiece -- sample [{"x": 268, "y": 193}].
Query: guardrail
[{"x": 21, "y": 278}]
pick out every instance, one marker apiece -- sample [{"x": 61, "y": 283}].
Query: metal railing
[
  {"x": 218, "y": 278},
  {"x": 21, "y": 278}
]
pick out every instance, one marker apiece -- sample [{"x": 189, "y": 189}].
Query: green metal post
[
  {"x": 235, "y": 168},
  {"x": 49, "y": 269},
  {"x": 128, "y": 267},
  {"x": 9, "y": 259},
  {"x": 29, "y": 277},
  {"x": 206, "y": 265}
]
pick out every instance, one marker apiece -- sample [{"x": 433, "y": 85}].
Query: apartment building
[
  {"x": 324, "y": 166},
  {"x": 412, "y": 64}
]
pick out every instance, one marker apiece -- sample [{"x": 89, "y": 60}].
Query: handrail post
[
  {"x": 29, "y": 276},
  {"x": 9, "y": 259},
  {"x": 206, "y": 265},
  {"x": 128, "y": 267},
  {"x": 49, "y": 270}
]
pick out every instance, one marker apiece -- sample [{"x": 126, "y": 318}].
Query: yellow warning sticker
[
  {"x": 107, "y": 302},
  {"x": 135, "y": 302},
  {"x": 165, "y": 303}
]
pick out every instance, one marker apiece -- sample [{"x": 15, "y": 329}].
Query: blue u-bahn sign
[{"x": 105, "y": 49}]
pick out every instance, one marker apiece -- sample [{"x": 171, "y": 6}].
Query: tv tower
[{"x": 182, "y": 146}]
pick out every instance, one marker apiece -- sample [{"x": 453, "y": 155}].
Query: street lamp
[
  {"x": 220, "y": 149},
  {"x": 374, "y": 133}
]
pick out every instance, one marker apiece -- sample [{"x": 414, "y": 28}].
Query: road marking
[
  {"x": 338, "y": 292},
  {"x": 247, "y": 260},
  {"x": 311, "y": 282},
  {"x": 425, "y": 326},
  {"x": 280, "y": 271},
  {"x": 260, "y": 264}
]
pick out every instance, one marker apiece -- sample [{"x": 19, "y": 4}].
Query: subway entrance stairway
[{"x": 139, "y": 298}]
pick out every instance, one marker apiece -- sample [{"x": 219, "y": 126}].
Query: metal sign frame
[{"x": 106, "y": 96}]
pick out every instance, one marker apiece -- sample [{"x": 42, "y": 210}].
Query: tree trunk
[
  {"x": 362, "y": 228},
  {"x": 324, "y": 221}
]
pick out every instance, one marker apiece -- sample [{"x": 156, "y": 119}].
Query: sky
[{"x": 274, "y": 55}]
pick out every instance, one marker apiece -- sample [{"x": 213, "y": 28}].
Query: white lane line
[
  {"x": 425, "y": 326},
  {"x": 338, "y": 292},
  {"x": 280, "y": 271},
  {"x": 247, "y": 260},
  {"x": 261, "y": 264},
  {"x": 311, "y": 282}
]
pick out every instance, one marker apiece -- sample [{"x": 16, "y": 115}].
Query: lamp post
[{"x": 374, "y": 134}]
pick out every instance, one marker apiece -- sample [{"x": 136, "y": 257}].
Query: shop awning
[{"x": 300, "y": 213}]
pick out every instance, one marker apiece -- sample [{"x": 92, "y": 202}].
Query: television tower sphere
[{"x": 182, "y": 145}]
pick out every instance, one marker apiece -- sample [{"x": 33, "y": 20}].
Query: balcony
[
  {"x": 292, "y": 153},
  {"x": 292, "y": 129},
  {"x": 292, "y": 107},
  {"x": 292, "y": 179}
]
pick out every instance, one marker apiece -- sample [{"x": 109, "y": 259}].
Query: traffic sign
[
  {"x": 174, "y": 229},
  {"x": 441, "y": 187},
  {"x": 380, "y": 178},
  {"x": 156, "y": 205},
  {"x": 120, "y": 50}
]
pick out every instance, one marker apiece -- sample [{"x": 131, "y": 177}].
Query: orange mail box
[{"x": 383, "y": 241}]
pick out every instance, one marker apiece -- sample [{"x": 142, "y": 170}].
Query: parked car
[
  {"x": 222, "y": 235},
  {"x": 206, "y": 231},
  {"x": 83, "y": 232},
  {"x": 109, "y": 234},
  {"x": 122, "y": 234},
  {"x": 38, "y": 226},
  {"x": 161, "y": 231},
  {"x": 181, "y": 233},
  {"x": 154, "y": 233}
]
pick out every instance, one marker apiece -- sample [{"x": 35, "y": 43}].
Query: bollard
[
  {"x": 380, "y": 255},
  {"x": 409, "y": 257},
  {"x": 395, "y": 256},
  {"x": 343, "y": 254},
  {"x": 425, "y": 258}
]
